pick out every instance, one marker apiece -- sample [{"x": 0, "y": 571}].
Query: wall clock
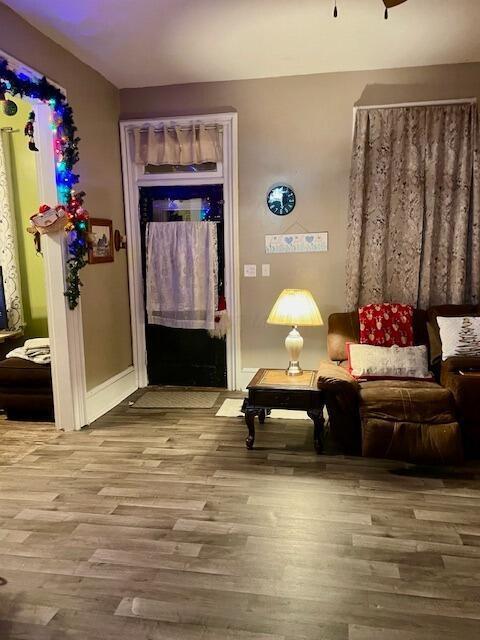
[{"x": 281, "y": 200}]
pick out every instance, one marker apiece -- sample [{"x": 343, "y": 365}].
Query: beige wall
[
  {"x": 297, "y": 130},
  {"x": 95, "y": 103}
]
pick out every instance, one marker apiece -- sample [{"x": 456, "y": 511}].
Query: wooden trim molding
[
  {"x": 107, "y": 395},
  {"x": 132, "y": 179},
  {"x": 65, "y": 327}
]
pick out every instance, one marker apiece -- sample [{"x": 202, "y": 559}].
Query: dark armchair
[{"x": 405, "y": 419}]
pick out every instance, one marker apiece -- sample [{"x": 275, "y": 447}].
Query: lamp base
[
  {"x": 294, "y": 368},
  {"x": 294, "y": 344}
]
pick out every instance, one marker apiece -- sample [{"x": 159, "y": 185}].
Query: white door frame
[
  {"x": 65, "y": 327},
  {"x": 133, "y": 178}
]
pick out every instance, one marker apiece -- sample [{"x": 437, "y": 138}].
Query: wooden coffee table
[{"x": 273, "y": 389}]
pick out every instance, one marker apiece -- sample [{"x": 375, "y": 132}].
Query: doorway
[
  {"x": 65, "y": 327},
  {"x": 225, "y": 175},
  {"x": 185, "y": 357}
]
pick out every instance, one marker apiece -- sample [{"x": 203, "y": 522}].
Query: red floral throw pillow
[{"x": 386, "y": 324}]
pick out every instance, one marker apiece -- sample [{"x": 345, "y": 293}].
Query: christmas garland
[{"x": 66, "y": 155}]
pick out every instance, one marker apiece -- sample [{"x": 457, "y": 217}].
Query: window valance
[{"x": 178, "y": 145}]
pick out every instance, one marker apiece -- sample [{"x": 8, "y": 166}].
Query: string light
[{"x": 65, "y": 145}]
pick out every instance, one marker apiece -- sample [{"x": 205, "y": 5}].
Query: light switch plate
[
  {"x": 265, "y": 270},
  {"x": 250, "y": 270}
]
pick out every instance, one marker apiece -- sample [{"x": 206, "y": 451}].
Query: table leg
[
  {"x": 262, "y": 414},
  {"x": 250, "y": 422},
  {"x": 318, "y": 424}
]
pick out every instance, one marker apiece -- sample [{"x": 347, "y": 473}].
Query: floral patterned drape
[
  {"x": 414, "y": 221},
  {"x": 8, "y": 241}
]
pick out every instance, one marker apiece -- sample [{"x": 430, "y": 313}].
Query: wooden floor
[{"x": 160, "y": 525}]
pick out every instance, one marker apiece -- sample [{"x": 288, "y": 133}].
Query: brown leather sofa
[{"x": 406, "y": 420}]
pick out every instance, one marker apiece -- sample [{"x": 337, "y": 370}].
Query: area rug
[
  {"x": 231, "y": 408},
  {"x": 177, "y": 400}
]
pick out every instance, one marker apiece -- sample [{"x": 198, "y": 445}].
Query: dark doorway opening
[{"x": 184, "y": 357}]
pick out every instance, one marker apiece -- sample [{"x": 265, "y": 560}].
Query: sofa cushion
[
  {"x": 405, "y": 420},
  {"x": 407, "y": 400}
]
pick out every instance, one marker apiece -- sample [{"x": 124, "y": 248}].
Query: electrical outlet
[
  {"x": 250, "y": 270},
  {"x": 265, "y": 270}
]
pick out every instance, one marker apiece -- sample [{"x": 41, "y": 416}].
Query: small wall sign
[{"x": 297, "y": 243}]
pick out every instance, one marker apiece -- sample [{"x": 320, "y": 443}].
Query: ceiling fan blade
[{"x": 392, "y": 3}]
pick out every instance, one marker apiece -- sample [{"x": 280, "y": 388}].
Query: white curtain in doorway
[
  {"x": 178, "y": 145},
  {"x": 182, "y": 274},
  {"x": 8, "y": 240}
]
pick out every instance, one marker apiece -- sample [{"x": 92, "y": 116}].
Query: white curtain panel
[
  {"x": 181, "y": 145},
  {"x": 8, "y": 240},
  {"x": 182, "y": 274}
]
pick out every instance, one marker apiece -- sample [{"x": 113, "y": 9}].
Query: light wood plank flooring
[{"x": 161, "y": 525}]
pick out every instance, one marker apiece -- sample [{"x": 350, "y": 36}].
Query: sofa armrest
[
  {"x": 341, "y": 392},
  {"x": 465, "y": 391},
  {"x": 455, "y": 364},
  {"x": 331, "y": 376}
]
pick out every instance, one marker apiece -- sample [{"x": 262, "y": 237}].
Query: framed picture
[{"x": 101, "y": 245}]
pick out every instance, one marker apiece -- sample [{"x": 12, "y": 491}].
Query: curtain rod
[
  {"x": 9, "y": 130},
  {"x": 182, "y": 127},
  {"x": 427, "y": 103}
]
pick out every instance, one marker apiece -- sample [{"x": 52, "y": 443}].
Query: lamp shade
[
  {"x": 295, "y": 307},
  {"x": 392, "y": 3}
]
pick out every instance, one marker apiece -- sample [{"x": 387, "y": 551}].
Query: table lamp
[{"x": 295, "y": 307}]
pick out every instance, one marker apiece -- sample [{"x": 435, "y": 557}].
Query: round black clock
[{"x": 281, "y": 200}]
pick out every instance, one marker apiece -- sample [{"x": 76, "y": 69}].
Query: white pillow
[
  {"x": 460, "y": 336},
  {"x": 368, "y": 361}
]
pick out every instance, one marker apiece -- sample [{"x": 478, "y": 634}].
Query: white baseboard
[
  {"x": 107, "y": 395},
  {"x": 246, "y": 374}
]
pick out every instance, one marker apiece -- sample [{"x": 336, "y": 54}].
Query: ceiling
[{"x": 137, "y": 43}]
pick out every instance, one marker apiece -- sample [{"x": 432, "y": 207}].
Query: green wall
[{"x": 25, "y": 193}]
